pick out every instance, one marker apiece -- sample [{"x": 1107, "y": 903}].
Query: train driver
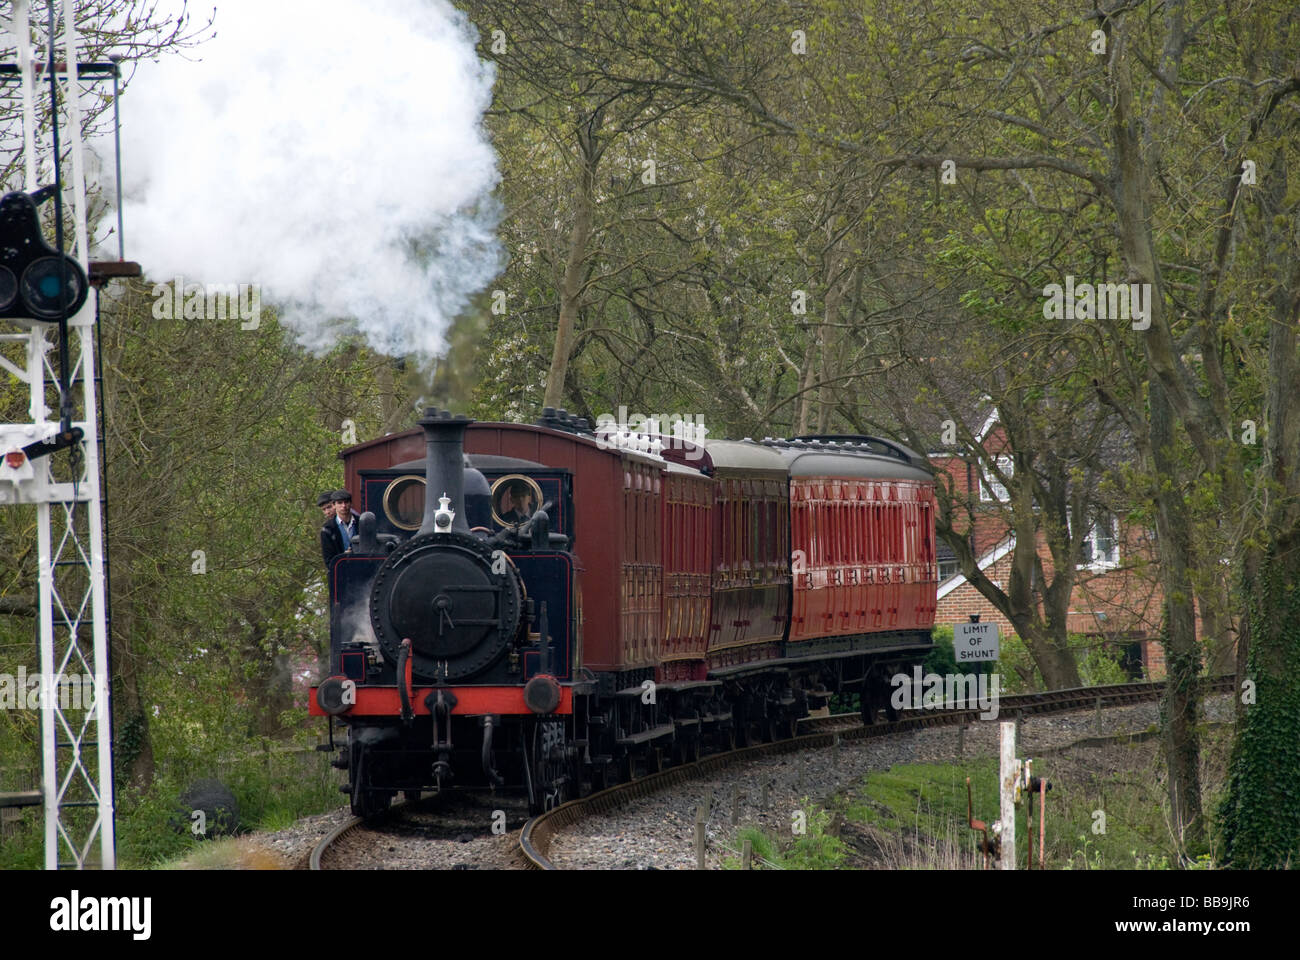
[
  {"x": 516, "y": 503},
  {"x": 340, "y": 525}
]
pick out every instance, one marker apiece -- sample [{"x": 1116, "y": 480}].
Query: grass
[
  {"x": 230, "y": 853},
  {"x": 273, "y": 791},
  {"x": 914, "y": 816},
  {"x": 816, "y": 848},
  {"x": 22, "y": 846},
  {"x": 1108, "y": 809}
]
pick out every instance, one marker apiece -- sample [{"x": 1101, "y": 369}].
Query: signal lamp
[
  {"x": 43, "y": 282},
  {"x": 36, "y": 283}
]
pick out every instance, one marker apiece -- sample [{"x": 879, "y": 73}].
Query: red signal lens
[{"x": 15, "y": 459}]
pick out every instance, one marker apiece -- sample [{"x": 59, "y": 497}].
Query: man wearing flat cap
[{"x": 340, "y": 526}]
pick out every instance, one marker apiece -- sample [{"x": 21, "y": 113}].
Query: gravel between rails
[
  {"x": 658, "y": 832},
  {"x": 450, "y": 832},
  {"x": 439, "y": 834},
  {"x": 295, "y": 843}
]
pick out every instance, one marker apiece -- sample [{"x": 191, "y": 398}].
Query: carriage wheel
[
  {"x": 743, "y": 734},
  {"x": 373, "y": 804},
  {"x": 868, "y": 701}
]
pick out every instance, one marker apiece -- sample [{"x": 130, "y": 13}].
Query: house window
[
  {"x": 1101, "y": 548},
  {"x": 991, "y": 488},
  {"x": 948, "y": 569}
]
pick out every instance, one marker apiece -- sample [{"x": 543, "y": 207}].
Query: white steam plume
[{"x": 328, "y": 150}]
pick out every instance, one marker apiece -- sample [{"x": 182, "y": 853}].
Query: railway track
[
  {"x": 536, "y": 835},
  {"x": 442, "y": 826}
]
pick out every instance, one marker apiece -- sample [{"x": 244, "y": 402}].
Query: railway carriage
[{"x": 534, "y": 606}]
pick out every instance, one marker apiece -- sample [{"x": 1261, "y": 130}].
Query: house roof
[{"x": 990, "y": 558}]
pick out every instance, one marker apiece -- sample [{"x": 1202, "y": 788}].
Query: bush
[
  {"x": 943, "y": 658},
  {"x": 1098, "y": 661}
]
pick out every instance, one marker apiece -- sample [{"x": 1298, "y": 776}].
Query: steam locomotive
[{"x": 540, "y": 607}]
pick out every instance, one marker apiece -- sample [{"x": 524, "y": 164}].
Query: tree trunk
[
  {"x": 1261, "y": 816},
  {"x": 1261, "y": 813},
  {"x": 575, "y": 266},
  {"x": 805, "y": 386},
  {"x": 1179, "y": 707},
  {"x": 1056, "y": 664},
  {"x": 1218, "y": 632},
  {"x": 827, "y": 346}
]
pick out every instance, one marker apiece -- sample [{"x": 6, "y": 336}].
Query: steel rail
[
  {"x": 329, "y": 839},
  {"x": 343, "y": 829}
]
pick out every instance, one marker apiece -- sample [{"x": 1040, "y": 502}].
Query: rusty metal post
[
  {"x": 1042, "y": 824},
  {"x": 1009, "y": 771},
  {"x": 701, "y": 840},
  {"x": 1029, "y": 820},
  {"x": 735, "y": 806}
]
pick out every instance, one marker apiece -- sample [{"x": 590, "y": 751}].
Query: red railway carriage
[
  {"x": 862, "y": 541},
  {"x": 687, "y": 546},
  {"x": 751, "y": 555}
]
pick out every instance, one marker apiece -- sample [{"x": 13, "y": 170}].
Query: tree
[{"x": 1094, "y": 115}]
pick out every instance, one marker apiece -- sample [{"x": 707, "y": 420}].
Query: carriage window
[
  {"x": 514, "y": 499},
  {"x": 404, "y": 502}
]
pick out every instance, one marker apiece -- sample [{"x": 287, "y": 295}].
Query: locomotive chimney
[{"x": 444, "y": 466}]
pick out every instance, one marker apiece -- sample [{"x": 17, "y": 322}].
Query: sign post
[{"x": 1009, "y": 780}]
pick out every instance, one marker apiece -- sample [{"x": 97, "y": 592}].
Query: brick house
[{"x": 1117, "y": 596}]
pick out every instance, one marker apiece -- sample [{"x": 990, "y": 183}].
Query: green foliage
[
  {"x": 925, "y": 803},
  {"x": 151, "y": 827},
  {"x": 816, "y": 849},
  {"x": 942, "y": 659},
  {"x": 925, "y": 797},
  {"x": 1099, "y": 663},
  {"x": 217, "y": 440},
  {"x": 24, "y": 849},
  {"x": 1260, "y": 812},
  {"x": 776, "y": 173}
]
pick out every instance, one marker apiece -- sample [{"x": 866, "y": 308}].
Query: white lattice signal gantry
[{"x": 64, "y": 486}]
